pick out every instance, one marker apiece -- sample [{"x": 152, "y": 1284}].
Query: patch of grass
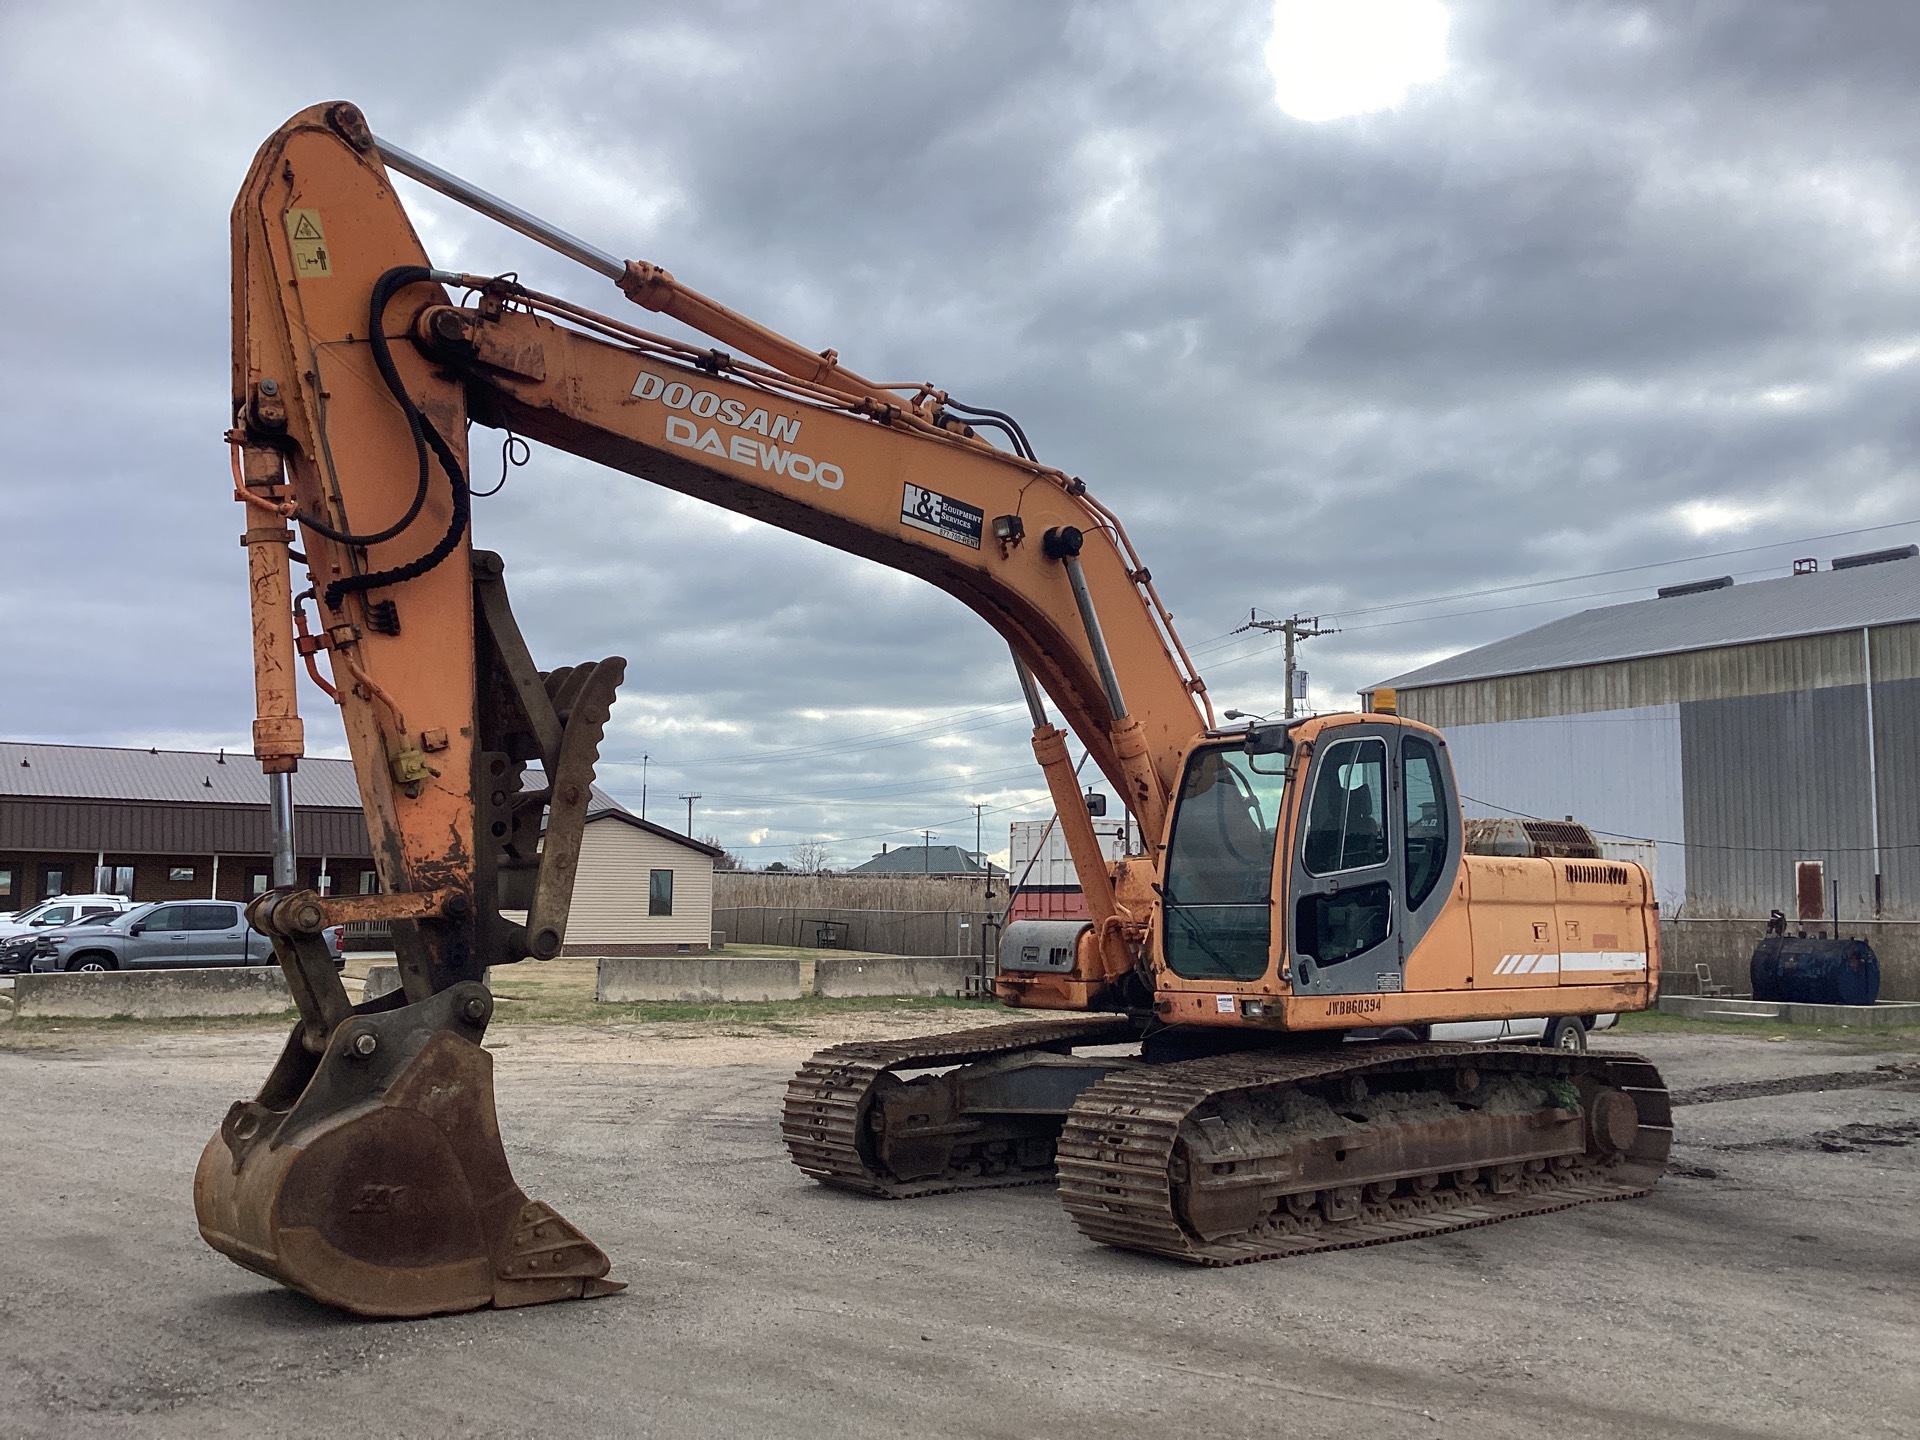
[
  {"x": 536, "y": 1005},
  {"x": 778, "y": 1016},
  {"x": 1657, "y": 1022}
]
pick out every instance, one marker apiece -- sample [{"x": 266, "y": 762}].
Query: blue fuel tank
[{"x": 1811, "y": 971}]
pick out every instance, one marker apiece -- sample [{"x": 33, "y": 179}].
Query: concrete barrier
[
  {"x": 628, "y": 979},
  {"x": 153, "y": 994},
  {"x": 835, "y": 977},
  {"x": 385, "y": 979},
  {"x": 1711, "y": 1007}
]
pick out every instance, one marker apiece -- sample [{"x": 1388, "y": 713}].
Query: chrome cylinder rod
[
  {"x": 494, "y": 208},
  {"x": 1089, "y": 617},
  {"x": 280, "y": 789},
  {"x": 1029, "y": 687}
]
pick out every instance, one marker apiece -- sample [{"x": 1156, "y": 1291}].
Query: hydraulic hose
[
  {"x": 1007, "y": 423},
  {"x": 425, "y": 437}
]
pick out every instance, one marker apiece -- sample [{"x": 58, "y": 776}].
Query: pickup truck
[{"x": 181, "y": 934}]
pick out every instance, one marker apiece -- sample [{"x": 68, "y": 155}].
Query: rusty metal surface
[
  {"x": 827, "y": 1121},
  {"x": 1126, "y": 1161},
  {"x": 372, "y": 1177}
]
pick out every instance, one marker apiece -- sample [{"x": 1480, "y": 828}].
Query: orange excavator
[{"x": 1197, "y": 1090}]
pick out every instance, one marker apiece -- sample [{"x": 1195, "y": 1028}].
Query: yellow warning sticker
[{"x": 309, "y": 241}]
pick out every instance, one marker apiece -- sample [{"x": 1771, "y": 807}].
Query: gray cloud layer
[{"x": 1631, "y": 283}]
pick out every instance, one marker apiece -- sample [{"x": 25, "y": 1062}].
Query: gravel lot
[{"x": 1771, "y": 1286}]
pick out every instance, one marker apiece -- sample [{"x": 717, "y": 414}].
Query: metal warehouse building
[{"x": 1742, "y": 727}]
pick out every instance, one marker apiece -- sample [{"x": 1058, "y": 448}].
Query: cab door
[
  {"x": 1377, "y": 854},
  {"x": 1341, "y": 918}
]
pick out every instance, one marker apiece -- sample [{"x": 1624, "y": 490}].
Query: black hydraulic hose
[
  {"x": 1011, "y": 425},
  {"x": 425, "y": 436},
  {"x": 975, "y": 422},
  {"x": 383, "y": 289}
]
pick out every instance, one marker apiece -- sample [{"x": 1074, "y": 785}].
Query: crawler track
[
  {"x": 1124, "y": 1168},
  {"x": 825, "y": 1119}
]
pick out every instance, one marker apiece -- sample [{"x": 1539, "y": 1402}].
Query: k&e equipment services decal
[{"x": 941, "y": 515}]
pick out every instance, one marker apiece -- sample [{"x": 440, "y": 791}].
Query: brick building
[{"x": 166, "y": 824}]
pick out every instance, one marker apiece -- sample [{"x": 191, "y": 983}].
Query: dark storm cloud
[{"x": 1631, "y": 283}]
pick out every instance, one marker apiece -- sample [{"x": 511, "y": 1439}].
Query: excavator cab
[{"x": 1326, "y": 885}]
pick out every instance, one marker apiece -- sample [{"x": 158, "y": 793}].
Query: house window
[
  {"x": 6, "y": 881},
  {"x": 180, "y": 872},
  {"x": 257, "y": 883},
  {"x": 369, "y": 882},
  {"x": 660, "y": 892},
  {"x": 114, "y": 880},
  {"x": 53, "y": 881}
]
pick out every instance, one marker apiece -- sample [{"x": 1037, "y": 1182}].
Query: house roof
[
  {"x": 197, "y": 777},
  {"x": 926, "y": 860},
  {"x": 1887, "y": 593},
  {"x": 180, "y": 777},
  {"x": 604, "y": 807}
]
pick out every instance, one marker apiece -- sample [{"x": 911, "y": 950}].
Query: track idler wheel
[{"x": 372, "y": 1178}]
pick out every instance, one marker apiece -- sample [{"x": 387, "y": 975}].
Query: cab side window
[
  {"x": 1347, "y": 820},
  {"x": 1426, "y": 803},
  {"x": 212, "y": 917},
  {"x": 167, "y": 917}
]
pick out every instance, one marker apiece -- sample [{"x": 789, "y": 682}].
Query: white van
[{"x": 1561, "y": 1032}]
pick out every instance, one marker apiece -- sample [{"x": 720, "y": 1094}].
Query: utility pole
[
  {"x": 643, "y": 786},
  {"x": 978, "y": 811},
  {"x": 1296, "y": 628},
  {"x": 926, "y": 851},
  {"x": 690, "y": 799}
]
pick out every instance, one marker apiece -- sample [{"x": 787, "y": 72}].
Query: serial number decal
[
  {"x": 1360, "y": 1005},
  {"x": 741, "y": 447},
  {"x": 941, "y": 515}
]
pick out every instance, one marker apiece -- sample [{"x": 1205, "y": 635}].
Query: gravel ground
[{"x": 1768, "y": 1287}]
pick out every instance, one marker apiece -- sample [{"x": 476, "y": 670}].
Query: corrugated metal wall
[
  {"x": 1616, "y": 771},
  {"x": 1771, "y": 779},
  {"x": 1766, "y": 765},
  {"x": 1810, "y": 662}
]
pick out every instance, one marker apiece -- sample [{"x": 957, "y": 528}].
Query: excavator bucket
[{"x": 379, "y": 1184}]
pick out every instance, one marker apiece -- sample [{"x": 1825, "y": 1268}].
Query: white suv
[{"x": 62, "y": 910}]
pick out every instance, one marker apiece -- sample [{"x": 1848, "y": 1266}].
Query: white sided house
[{"x": 641, "y": 888}]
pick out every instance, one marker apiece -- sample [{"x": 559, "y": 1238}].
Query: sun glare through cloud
[{"x": 1333, "y": 58}]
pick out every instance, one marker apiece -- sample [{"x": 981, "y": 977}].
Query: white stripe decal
[
  {"x": 1527, "y": 964},
  {"x": 1591, "y": 960}
]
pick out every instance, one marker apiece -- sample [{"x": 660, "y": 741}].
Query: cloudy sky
[{"x": 1439, "y": 331}]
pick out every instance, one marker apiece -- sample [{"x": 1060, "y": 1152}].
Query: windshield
[{"x": 1220, "y": 865}]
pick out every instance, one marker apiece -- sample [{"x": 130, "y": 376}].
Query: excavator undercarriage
[{"x": 1255, "y": 1155}]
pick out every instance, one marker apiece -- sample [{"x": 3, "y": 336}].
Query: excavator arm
[{"x": 369, "y": 1170}]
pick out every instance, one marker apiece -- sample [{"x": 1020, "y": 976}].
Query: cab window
[
  {"x": 1347, "y": 822},
  {"x": 1426, "y": 818},
  {"x": 1219, "y": 884}
]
